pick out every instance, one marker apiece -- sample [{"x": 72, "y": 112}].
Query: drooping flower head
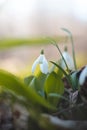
[
  {"x": 42, "y": 61},
  {"x": 68, "y": 60}
]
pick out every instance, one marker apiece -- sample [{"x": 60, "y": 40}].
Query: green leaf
[
  {"x": 41, "y": 79},
  {"x": 15, "y": 85},
  {"x": 59, "y": 73},
  {"x": 75, "y": 80},
  {"x": 53, "y": 84},
  {"x": 64, "y": 72},
  {"x": 34, "y": 84},
  {"x": 37, "y": 83},
  {"x": 56, "y": 95},
  {"x": 28, "y": 79}
]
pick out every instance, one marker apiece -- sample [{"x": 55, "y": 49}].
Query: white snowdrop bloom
[
  {"x": 41, "y": 60},
  {"x": 83, "y": 76},
  {"x": 69, "y": 61}
]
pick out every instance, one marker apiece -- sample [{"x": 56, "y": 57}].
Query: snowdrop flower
[
  {"x": 41, "y": 60},
  {"x": 83, "y": 76},
  {"x": 68, "y": 59}
]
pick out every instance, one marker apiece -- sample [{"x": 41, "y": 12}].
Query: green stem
[
  {"x": 55, "y": 44},
  {"x": 73, "y": 52},
  {"x": 67, "y": 76},
  {"x": 72, "y": 42},
  {"x": 62, "y": 57}
]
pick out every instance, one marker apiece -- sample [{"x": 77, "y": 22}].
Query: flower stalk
[{"x": 72, "y": 42}]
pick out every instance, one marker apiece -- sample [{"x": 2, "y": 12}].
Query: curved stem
[
  {"x": 55, "y": 44},
  {"x": 72, "y": 42}
]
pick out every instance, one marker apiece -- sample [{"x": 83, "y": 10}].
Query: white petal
[
  {"x": 68, "y": 60},
  {"x": 83, "y": 75},
  {"x": 63, "y": 64},
  {"x": 39, "y": 60},
  {"x": 36, "y": 62},
  {"x": 44, "y": 66}
]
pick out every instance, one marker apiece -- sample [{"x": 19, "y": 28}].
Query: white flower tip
[
  {"x": 69, "y": 61},
  {"x": 44, "y": 66},
  {"x": 35, "y": 65},
  {"x": 83, "y": 76}
]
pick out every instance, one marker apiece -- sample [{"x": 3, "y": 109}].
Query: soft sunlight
[
  {"x": 80, "y": 9},
  {"x": 20, "y": 7},
  {"x": 27, "y": 7},
  {"x": 26, "y": 17}
]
